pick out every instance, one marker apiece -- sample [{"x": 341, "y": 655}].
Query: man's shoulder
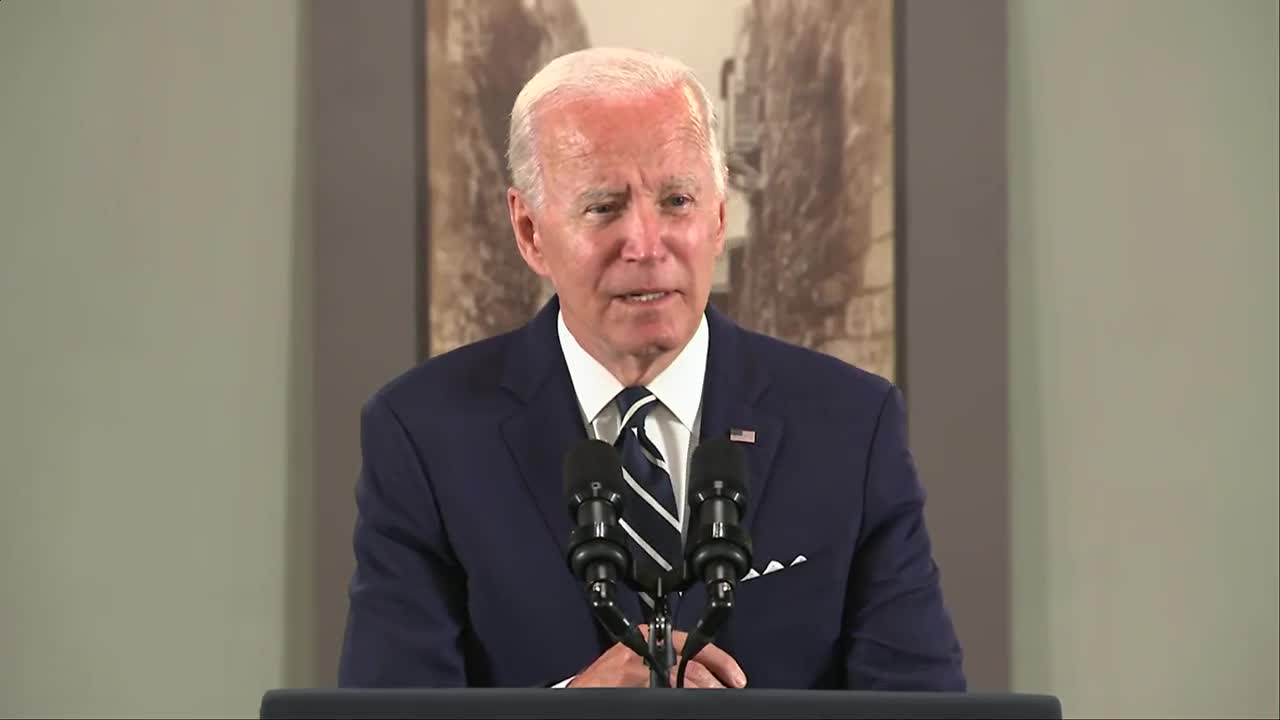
[
  {"x": 814, "y": 379},
  {"x": 449, "y": 381}
]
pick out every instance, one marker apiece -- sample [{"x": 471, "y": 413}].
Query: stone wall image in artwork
[{"x": 479, "y": 54}]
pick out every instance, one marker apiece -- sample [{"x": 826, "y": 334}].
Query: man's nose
[{"x": 642, "y": 239}]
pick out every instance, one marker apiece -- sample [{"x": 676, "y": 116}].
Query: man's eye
[
  {"x": 602, "y": 209},
  {"x": 679, "y": 201}
]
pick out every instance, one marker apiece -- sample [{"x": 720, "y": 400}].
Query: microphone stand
[
  {"x": 661, "y": 648},
  {"x": 659, "y": 653}
]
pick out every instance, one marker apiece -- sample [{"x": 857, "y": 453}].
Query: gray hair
[{"x": 601, "y": 72}]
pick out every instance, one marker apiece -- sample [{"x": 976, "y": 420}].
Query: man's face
[{"x": 630, "y": 224}]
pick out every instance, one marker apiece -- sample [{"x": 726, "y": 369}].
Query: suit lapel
[
  {"x": 734, "y": 383},
  {"x": 538, "y": 436},
  {"x": 546, "y": 426}
]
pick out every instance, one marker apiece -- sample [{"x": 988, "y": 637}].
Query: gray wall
[
  {"x": 153, "y": 355},
  {"x": 1143, "y": 355}
]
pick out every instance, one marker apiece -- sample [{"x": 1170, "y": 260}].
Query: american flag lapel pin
[{"x": 742, "y": 436}]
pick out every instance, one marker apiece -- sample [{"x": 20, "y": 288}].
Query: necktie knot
[{"x": 634, "y": 404}]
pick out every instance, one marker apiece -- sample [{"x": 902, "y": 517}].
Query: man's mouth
[{"x": 645, "y": 297}]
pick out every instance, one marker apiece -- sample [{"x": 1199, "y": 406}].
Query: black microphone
[
  {"x": 598, "y": 553},
  {"x": 594, "y": 488},
  {"x": 719, "y": 550}
]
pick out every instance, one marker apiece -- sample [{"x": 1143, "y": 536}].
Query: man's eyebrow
[
  {"x": 595, "y": 195},
  {"x": 679, "y": 182}
]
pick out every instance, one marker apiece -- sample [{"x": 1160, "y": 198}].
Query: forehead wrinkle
[{"x": 592, "y": 161}]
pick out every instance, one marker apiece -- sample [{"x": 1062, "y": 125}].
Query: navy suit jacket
[{"x": 462, "y": 526}]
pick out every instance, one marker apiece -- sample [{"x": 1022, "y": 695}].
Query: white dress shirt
[{"x": 672, "y": 425}]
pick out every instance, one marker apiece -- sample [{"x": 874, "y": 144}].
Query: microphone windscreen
[
  {"x": 718, "y": 460},
  {"x": 591, "y": 462}
]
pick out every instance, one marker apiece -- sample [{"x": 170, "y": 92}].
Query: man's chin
[
  {"x": 653, "y": 343},
  {"x": 647, "y": 332}
]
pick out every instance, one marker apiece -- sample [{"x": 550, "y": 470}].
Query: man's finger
[
  {"x": 720, "y": 663},
  {"x": 696, "y": 675}
]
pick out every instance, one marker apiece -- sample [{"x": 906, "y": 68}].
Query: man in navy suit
[{"x": 618, "y": 199}]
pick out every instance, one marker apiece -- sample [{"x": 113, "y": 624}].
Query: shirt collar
[{"x": 678, "y": 387}]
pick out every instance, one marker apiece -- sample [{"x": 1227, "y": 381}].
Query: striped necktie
[{"x": 650, "y": 518}]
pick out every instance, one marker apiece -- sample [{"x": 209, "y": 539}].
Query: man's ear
[
  {"x": 720, "y": 227},
  {"x": 526, "y": 231}
]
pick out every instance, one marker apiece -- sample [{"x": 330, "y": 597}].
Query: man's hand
[{"x": 619, "y": 667}]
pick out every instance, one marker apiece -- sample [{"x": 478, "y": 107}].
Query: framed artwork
[{"x": 805, "y": 92}]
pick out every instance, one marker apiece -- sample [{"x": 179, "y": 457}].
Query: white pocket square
[{"x": 772, "y": 567}]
